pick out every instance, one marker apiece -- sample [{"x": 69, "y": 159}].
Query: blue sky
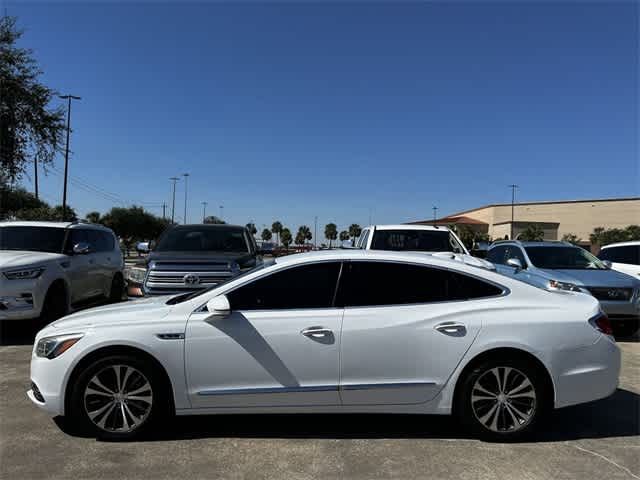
[{"x": 294, "y": 110}]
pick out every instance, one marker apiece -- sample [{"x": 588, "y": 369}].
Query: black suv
[{"x": 192, "y": 257}]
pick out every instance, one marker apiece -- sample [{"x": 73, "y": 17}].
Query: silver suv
[
  {"x": 50, "y": 268},
  {"x": 563, "y": 266}
]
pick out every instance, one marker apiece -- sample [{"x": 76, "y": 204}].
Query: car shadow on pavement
[
  {"x": 18, "y": 332},
  {"x": 616, "y": 416}
]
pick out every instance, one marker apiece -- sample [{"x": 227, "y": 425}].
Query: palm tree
[
  {"x": 299, "y": 238},
  {"x": 285, "y": 236},
  {"x": 533, "y": 233},
  {"x": 354, "y": 232},
  {"x": 344, "y": 236},
  {"x": 305, "y": 232},
  {"x": 330, "y": 232},
  {"x": 276, "y": 228},
  {"x": 571, "y": 238},
  {"x": 266, "y": 235},
  {"x": 93, "y": 217}
]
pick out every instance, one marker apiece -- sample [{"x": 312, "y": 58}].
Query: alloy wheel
[
  {"x": 118, "y": 398},
  {"x": 503, "y": 399}
]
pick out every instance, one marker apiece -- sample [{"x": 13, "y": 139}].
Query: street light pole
[
  {"x": 173, "y": 201},
  {"x": 435, "y": 210},
  {"x": 315, "y": 231},
  {"x": 186, "y": 177},
  {"x": 221, "y": 211},
  {"x": 513, "y": 201},
  {"x": 204, "y": 211},
  {"x": 66, "y": 153}
]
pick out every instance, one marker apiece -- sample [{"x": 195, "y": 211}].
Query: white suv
[
  {"x": 49, "y": 268},
  {"x": 623, "y": 256},
  {"x": 434, "y": 240}
]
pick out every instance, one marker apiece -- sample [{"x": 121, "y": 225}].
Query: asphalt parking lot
[{"x": 597, "y": 440}]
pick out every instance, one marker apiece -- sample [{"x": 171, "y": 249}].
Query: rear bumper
[{"x": 586, "y": 373}]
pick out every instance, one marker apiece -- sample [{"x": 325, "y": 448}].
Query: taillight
[{"x": 601, "y": 322}]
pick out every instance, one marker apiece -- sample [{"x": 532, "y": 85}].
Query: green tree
[
  {"x": 344, "y": 236},
  {"x": 276, "y": 228},
  {"x": 212, "y": 219},
  {"x": 354, "y": 232},
  {"x": 252, "y": 228},
  {"x": 330, "y": 232},
  {"x": 299, "y": 240},
  {"x": 305, "y": 234},
  {"x": 13, "y": 200},
  {"x": 571, "y": 238},
  {"x": 285, "y": 237},
  {"x": 93, "y": 217},
  {"x": 532, "y": 233},
  {"x": 266, "y": 235},
  {"x": 29, "y": 129},
  {"x": 134, "y": 224}
]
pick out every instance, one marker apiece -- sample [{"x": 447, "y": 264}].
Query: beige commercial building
[{"x": 578, "y": 217}]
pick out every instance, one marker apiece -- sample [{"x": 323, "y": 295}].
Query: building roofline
[{"x": 545, "y": 202}]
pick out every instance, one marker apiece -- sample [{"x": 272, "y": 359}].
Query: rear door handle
[
  {"x": 452, "y": 328},
  {"x": 316, "y": 332}
]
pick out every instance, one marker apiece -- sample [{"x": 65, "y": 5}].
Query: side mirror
[
  {"x": 515, "y": 263},
  {"x": 607, "y": 263},
  {"x": 219, "y": 306},
  {"x": 81, "y": 248}
]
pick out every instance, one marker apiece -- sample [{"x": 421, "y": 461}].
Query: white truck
[
  {"x": 434, "y": 240},
  {"x": 49, "y": 268}
]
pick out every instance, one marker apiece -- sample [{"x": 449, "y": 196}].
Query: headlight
[
  {"x": 135, "y": 274},
  {"x": 52, "y": 347},
  {"x": 570, "y": 287},
  {"x": 24, "y": 274}
]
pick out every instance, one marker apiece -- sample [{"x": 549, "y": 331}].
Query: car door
[
  {"x": 81, "y": 269},
  {"x": 405, "y": 329},
  {"x": 279, "y": 346}
]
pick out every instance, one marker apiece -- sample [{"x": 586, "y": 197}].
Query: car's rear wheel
[
  {"x": 55, "y": 304},
  {"x": 117, "y": 289},
  {"x": 118, "y": 397},
  {"x": 503, "y": 400}
]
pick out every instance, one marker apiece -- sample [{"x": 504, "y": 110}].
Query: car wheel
[
  {"x": 55, "y": 304},
  {"x": 503, "y": 400},
  {"x": 117, "y": 289},
  {"x": 118, "y": 398}
]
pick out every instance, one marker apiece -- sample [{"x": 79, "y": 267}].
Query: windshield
[
  {"x": 569, "y": 258},
  {"x": 203, "y": 239},
  {"x": 415, "y": 241},
  {"x": 183, "y": 297},
  {"x": 34, "y": 239}
]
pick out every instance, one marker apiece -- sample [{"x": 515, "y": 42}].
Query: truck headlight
[
  {"x": 27, "y": 273},
  {"x": 52, "y": 347},
  {"x": 570, "y": 287},
  {"x": 135, "y": 274}
]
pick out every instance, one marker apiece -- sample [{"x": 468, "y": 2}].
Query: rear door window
[{"x": 624, "y": 254}]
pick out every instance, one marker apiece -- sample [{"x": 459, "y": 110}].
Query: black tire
[
  {"x": 56, "y": 304},
  {"x": 625, "y": 328},
  {"x": 473, "y": 415},
  {"x": 148, "y": 412},
  {"x": 117, "y": 289}
]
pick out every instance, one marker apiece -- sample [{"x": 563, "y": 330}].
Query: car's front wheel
[
  {"x": 118, "y": 397},
  {"x": 503, "y": 400}
]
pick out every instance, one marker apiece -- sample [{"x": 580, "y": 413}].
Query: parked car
[
  {"x": 563, "y": 266},
  {"x": 624, "y": 257},
  {"x": 50, "y": 268},
  {"x": 142, "y": 247},
  {"x": 435, "y": 240},
  {"x": 328, "y": 332},
  {"x": 193, "y": 257}
]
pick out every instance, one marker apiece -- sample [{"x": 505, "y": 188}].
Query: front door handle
[
  {"x": 316, "y": 332},
  {"x": 454, "y": 329}
]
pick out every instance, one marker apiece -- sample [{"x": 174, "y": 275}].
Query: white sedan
[{"x": 332, "y": 332}]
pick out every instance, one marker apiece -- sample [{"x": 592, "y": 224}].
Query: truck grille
[
  {"x": 611, "y": 294},
  {"x": 167, "y": 277}
]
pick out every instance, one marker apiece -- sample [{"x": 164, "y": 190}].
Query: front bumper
[
  {"x": 586, "y": 373},
  {"x": 621, "y": 310},
  {"x": 48, "y": 377},
  {"x": 19, "y": 299}
]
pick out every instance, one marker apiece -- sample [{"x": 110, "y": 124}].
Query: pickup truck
[
  {"x": 193, "y": 257},
  {"x": 434, "y": 240}
]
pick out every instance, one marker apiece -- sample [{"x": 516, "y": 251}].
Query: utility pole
[
  {"x": 435, "y": 211},
  {"x": 513, "y": 201},
  {"x": 35, "y": 176},
  {"x": 66, "y": 154},
  {"x": 221, "y": 211},
  {"x": 315, "y": 231},
  {"x": 204, "y": 211},
  {"x": 173, "y": 201},
  {"x": 186, "y": 177},
  {"x": 164, "y": 206}
]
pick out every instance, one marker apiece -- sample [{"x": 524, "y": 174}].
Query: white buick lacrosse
[{"x": 332, "y": 332}]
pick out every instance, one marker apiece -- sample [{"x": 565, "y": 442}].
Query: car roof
[
  {"x": 532, "y": 244},
  {"x": 26, "y": 223},
  {"x": 633, "y": 243},
  {"x": 410, "y": 227}
]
